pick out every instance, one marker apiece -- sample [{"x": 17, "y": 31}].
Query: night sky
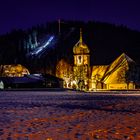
[{"x": 15, "y": 14}]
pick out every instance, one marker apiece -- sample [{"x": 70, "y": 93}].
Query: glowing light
[{"x": 41, "y": 48}]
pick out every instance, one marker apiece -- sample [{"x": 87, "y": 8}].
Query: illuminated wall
[{"x": 13, "y": 70}]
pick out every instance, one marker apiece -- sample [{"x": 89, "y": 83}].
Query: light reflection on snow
[{"x": 59, "y": 115}]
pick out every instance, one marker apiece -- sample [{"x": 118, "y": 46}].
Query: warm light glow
[
  {"x": 14, "y": 71},
  {"x": 82, "y": 76}
]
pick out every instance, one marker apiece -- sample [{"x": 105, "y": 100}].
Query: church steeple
[
  {"x": 81, "y": 39},
  {"x": 81, "y": 68},
  {"x": 80, "y": 47}
]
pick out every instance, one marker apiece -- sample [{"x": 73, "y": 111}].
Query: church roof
[
  {"x": 115, "y": 72},
  {"x": 80, "y": 47},
  {"x": 98, "y": 71}
]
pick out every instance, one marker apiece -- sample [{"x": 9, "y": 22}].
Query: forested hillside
[{"x": 105, "y": 41}]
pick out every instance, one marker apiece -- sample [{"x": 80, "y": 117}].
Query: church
[{"x": 119, "y": 75}]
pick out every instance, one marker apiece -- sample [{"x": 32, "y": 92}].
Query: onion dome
[{"x": 80, "y": 47}]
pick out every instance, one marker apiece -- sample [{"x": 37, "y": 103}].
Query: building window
[{"x": 80, "y": 59}]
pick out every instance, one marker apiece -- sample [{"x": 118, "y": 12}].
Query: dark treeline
[{"x": 105, "y": 41}]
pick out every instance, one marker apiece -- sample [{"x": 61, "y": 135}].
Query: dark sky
[{"x": 25, "y": 13}]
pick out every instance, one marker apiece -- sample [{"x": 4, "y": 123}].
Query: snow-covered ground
[{"x": 69, "y": 115}]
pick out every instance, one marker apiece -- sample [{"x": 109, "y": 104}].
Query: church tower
[{"x": 81, "y": 67}]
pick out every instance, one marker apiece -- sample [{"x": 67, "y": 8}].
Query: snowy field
[{"x": 69, "y": 115}]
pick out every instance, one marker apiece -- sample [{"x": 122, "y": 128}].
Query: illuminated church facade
[{"x": 81, "y": 75}]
